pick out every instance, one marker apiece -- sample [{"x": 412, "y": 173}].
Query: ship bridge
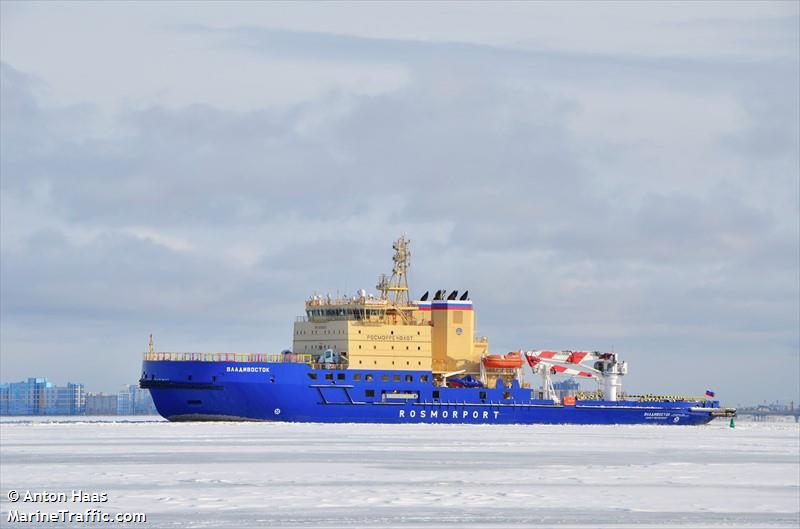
[{"x": 390, "y": 330}]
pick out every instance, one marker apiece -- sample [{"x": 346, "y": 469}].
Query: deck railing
[{"x": 227, "y": 357}]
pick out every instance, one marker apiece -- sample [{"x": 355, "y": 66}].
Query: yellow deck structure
[{"x": 391, "y": 331}]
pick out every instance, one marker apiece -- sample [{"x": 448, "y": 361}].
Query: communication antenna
[
  {"x": 150, "y": 345},
  {"x": 395, "y": 289}
]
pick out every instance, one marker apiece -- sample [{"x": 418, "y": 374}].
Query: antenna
[{"x": 397, "y": 285}]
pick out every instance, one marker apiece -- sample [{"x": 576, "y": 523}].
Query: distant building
[
  {"x": 568, "y": 387},
  {"x": 132, "y": 400},
  {"x": 101, "y": 404},
  {"x": 37, "y": 396}
]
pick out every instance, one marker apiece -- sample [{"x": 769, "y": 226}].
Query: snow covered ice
[{"x": 321, "y": 475}]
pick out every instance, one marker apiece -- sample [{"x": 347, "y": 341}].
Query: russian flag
[{"x": 709, "y": 393}]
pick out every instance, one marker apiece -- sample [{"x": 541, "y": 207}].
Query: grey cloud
[{"x": 475, "y": 157}]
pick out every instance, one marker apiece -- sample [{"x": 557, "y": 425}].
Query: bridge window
[
  {"x": 340, "y": 376},
  {"x": 328, "y": 376},
  {"x": 385, "y": 378},
  {"x": 507, "y": 395},
  {"x": 312, "y": 376},
  {"x": 357, "y": 377},
  {"x": 369, "y": 393},
  {"x": 482, "y": 394},
  {"x": 423, "y": 378},
  {"x": 436, "y": 394},
  {"x": 368, "y": 378},
  {"x": 409, "y": 378}
]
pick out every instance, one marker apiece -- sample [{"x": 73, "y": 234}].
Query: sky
[{"x": 599, "y": 175}]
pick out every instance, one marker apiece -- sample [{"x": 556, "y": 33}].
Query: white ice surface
[{"x": 316, "y": 475}]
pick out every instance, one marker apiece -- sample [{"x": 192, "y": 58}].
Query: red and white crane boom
[{"x": 605, "y": 367}]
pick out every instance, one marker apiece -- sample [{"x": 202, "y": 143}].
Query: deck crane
[{"x": 604, "y": 367}]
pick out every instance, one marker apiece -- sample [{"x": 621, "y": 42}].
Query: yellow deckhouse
[{"x": 390, "y": 331}]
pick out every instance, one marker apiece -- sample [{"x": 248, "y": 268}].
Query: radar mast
[{"x": 395, "y": 289}]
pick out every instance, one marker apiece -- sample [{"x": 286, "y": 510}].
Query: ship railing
[
  {"x": 341, "y": 301},
  {"x": 666, "y": 398},
  {"x": 329, "y": 365},
  {"x": 282, "y": 358}
]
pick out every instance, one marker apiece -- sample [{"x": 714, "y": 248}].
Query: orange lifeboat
[{"x": 507, "y": 361}]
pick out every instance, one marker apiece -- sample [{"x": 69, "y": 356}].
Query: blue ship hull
[{"x": 295, "y": 392}]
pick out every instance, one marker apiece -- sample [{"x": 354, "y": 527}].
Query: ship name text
[
  {"x": 388, "y": 338},
  {"x": 447, "y": 414}
]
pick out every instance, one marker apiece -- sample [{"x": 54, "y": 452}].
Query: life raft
[{"x": 506, "y": 361}]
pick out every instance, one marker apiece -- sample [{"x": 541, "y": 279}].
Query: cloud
[{"x": 645, "y": 202}]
